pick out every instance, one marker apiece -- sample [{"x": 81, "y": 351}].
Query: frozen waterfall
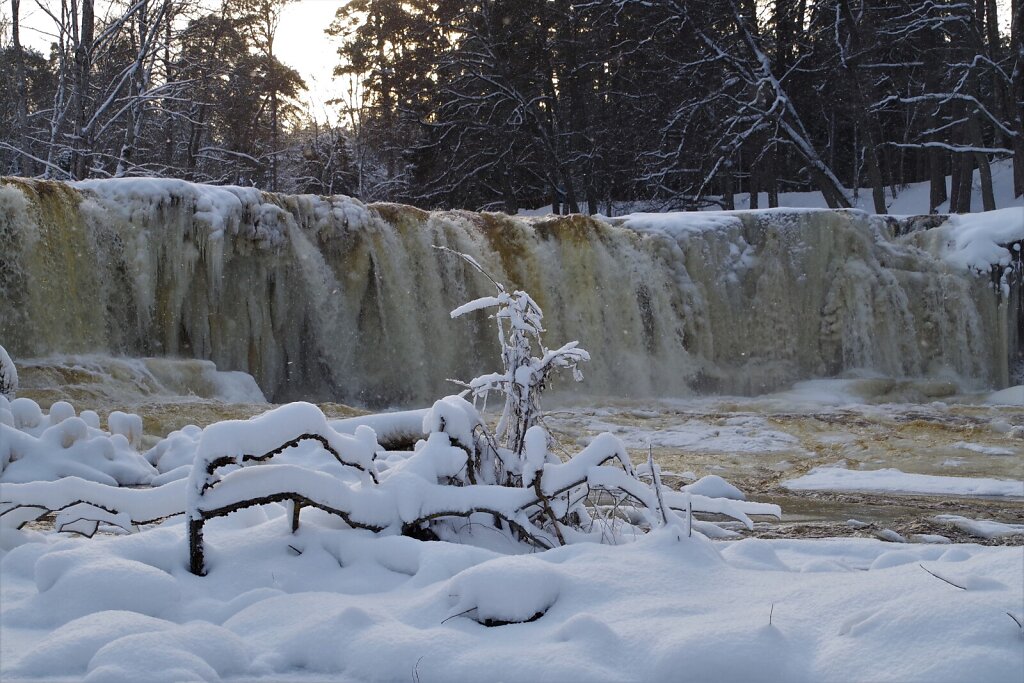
[{"x": 331, "y": 299}]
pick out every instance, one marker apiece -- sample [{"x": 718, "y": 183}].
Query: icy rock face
[{"x": 328, "y": 298}]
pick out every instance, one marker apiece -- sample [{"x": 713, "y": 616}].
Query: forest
[{"x": 511, "y": 104}]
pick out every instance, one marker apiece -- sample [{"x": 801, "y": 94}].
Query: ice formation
[{"x": 339, "y": 300}]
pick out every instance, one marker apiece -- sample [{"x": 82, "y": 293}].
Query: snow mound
[
  {"x": 174, "y": 455},
  {"x": 69, "y": 649},
  {"x": 69, "y": 589},
  {"x": 513, "y": 590},
  {"x": 978, "y": 241},
  {"x": 185, "y": 652},
  {"x": 714, "y": 486},
  {"x": 332, "y": 604},
  {"x": 982, "y": 528},
  {"x": 1011, "y": 396},
  {"x": 895, "y": 481},
  {"x": 38, "y": 446}
]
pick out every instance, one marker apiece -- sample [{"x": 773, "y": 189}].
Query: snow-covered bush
[
  {"x": 46, "y": 446},
  {"x": 8, "y": 375},
  {"x": 459, "y": 482},
  {"x": 58, "y": 461},
  {"x": 524, "y": 376}
]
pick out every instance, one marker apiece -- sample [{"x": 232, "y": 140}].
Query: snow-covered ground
[
  {"x": 907, "y": 201},
  {"x": 895, "y": 481},
  {"x": 341, "y": 605},
  {"x": 643, "y": 596},
  {"x": 328, "y": 602}
]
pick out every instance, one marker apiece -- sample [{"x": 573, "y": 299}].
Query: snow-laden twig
[{"x": 942, "y": 578}]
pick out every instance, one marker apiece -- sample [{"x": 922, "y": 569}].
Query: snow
[
  {"x": 38, "y": 446},
  {"x": 173, "y": 456},
  {"x": 136, "y": 504},
  {"x": 713, "y": 486},
  {"x": 974, "y": 241},
  {"x": 8, "y": 375},
  {"x": 979, "y": 240},
  {"x": 329, "y": 602},
  {"x": 910, "y": 200},
  {"x": 240, "y": 440},
  {"x": 215, "y": 205},
  {"x": 982, "y": 528},
  {"x": 747, "y": 434},
  {"x": 1011, "y": 396},
  {"x": 512, "y": 589},
  {"x": 341, "y": 605},
  {"x": 678, "y": 223},
  {"x": 125, "y": 424},
  {"x": 399, "y": 427},
  {"x": 456, "y": 417},
  {"x": 894, "y": 481},
  {"x": 983, "y": 449}
]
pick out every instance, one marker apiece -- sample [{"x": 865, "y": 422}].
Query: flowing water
[
  {"x": 333, "y": 300},
  {"x": 757, "y": 443},
  {"x": 119, "y": 294},
  {"x": 760, "y": 442}
]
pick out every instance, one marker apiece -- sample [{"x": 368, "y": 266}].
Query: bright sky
[{"x": 300, "y": 43}]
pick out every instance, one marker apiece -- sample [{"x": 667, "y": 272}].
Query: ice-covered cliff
[{"x": 330, "y": 298}]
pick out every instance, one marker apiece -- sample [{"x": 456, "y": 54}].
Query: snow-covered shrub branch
[
  {"x": 457, "y": 478},
  {"x": 8, "y": 376},
  {"x": 524, "y": 376},
  {"x": 81, "y": 504}
]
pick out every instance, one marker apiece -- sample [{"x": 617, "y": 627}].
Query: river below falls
[{"x": 756, "y": 443}]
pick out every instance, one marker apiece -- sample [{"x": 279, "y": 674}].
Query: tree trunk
[
  {"x": 22, "y": 165},
  {"x": 511, "y": 205},
  {"x": 1016, "y": 95},
  {"x": 937, "y": 176},
  {"x": 981, "y": 159},
  {"x": 875, "y": 177},
  {"x": 963, "y": 200},
  {"x": 273, "y": 139},
  {"x": 83, "y": 71},
  {"x": 867, "y": 121},
  {"x": 728, "y": 197},
  {"x": 754, "y": 187},
  {"x": 955, "y": 176},
  {"x": 771, "y": 177},
  {"x": 789, "y": 119},
  {"x": 168, "y": 132}
]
